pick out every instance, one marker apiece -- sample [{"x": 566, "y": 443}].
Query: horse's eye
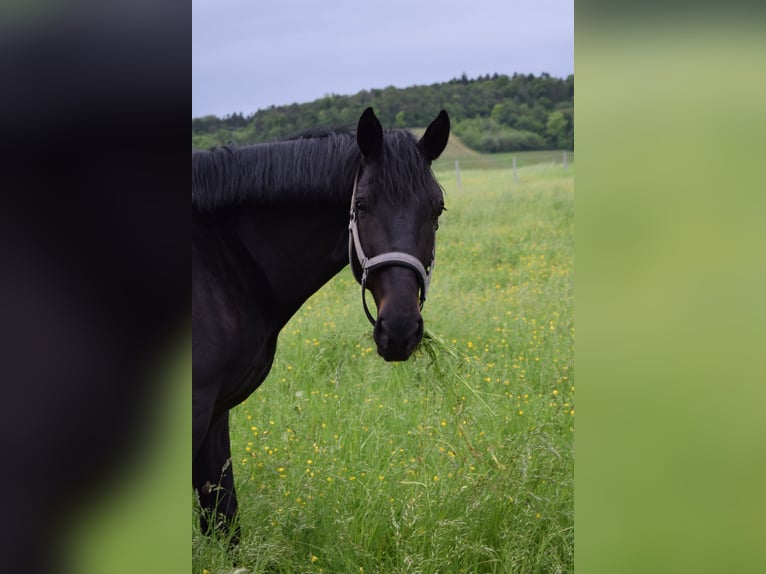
[
  {"x": 361, "y": 206},
  {"x": 439, "y": 210}
]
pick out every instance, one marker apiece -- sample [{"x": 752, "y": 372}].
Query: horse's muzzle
[{"x": 396, "y": 337}]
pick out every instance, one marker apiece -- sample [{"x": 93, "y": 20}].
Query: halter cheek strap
[{"x": 383, "y": 260}]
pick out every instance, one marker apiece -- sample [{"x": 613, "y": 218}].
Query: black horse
[{"x": 271, "y": 224}]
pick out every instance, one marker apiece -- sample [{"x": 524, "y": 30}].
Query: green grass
[{"x": 458, "y": 460}]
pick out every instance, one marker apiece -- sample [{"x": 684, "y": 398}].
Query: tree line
[{"x": 497, "y": 113}]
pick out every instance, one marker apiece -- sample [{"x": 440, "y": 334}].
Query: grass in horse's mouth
[{"x": 448, "y": 364}]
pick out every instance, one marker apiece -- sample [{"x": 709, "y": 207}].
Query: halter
[{"x": 383, "y": 260}]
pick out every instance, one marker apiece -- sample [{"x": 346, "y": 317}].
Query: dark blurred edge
[
  {"x": 93, "y": 270},
  {"x": 670, "y": 281}
]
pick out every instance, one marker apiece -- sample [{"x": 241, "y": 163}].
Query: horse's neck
[{"x": 298, "y": 248}]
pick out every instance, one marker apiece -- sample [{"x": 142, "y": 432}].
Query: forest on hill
[{"x": 497, "y": 113}]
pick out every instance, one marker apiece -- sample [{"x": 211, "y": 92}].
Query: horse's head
[{"x": 395, "y": 210}]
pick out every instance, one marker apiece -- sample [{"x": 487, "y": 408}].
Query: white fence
[{"x": 562, "y": 158}]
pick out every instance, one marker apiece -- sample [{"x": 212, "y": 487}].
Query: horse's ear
[
  {"x": 369, "y": 135},
  {"x": 435, "y": 139}
]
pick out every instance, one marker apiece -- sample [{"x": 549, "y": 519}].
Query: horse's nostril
[
  {"x": 416, "y": 336},
  {"x": 380, "y": 333}
]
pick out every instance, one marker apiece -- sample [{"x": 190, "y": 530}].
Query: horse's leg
[
  {"x": 213, "y": 479},
  {"x": 203, "y": 404}
]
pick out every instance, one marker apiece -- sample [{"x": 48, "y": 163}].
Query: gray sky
[{"x": 251, "y": 54}]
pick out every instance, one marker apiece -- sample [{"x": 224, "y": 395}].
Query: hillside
[
  {"x": 455, "y": 149},
  {"x": 489, "y": 114}
]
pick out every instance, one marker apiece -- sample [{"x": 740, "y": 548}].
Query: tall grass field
[{"x": 459, "y": 460}]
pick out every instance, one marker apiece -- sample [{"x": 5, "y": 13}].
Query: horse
[{"x": 271, "y": 224}]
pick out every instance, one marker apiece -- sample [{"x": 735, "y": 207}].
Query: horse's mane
[{"x": 315, "y": 167}]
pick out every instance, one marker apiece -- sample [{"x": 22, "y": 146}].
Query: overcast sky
[{"x": 252, "y": 54}]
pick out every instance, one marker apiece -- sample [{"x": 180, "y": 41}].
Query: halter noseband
[{"x": 383, "y": 260}]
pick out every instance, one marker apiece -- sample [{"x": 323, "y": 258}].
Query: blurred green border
[
  {"x": 141, "y": 522},
  {"x": 670, "y": 282}
]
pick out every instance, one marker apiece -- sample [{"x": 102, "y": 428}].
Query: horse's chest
[
  {"x": 260, "y": 366},
  {"x": 251, "y": 370}
]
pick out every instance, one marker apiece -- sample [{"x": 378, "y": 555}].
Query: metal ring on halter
[{"x": 383, "y": 260}]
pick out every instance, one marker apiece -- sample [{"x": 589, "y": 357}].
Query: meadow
[{"x": 460, "y": 460}]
